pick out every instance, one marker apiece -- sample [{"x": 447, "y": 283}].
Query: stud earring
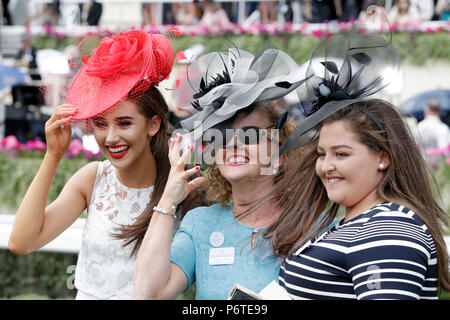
[{"x": 381, "y": 166}]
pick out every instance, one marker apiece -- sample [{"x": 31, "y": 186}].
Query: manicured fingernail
[{"x": 197, "y": 168}]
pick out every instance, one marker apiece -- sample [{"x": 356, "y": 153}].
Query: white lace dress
[{"x": 104, "y": 268}]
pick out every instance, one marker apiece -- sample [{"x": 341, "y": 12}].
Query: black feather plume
[
  {"x": 205, "y": 87},
  {"x": 284, "y": 84}
]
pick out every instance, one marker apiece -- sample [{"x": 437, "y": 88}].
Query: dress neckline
[{"x": 342, "y": 223}]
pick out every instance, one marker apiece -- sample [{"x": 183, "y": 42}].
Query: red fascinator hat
[{"x": 122, "y": 66}]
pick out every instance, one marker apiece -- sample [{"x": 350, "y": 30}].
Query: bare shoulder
[
  {"x": 88, "y": 171},
  {"x": 76, "y": 191},
  {"x": 84, "y": 178}
]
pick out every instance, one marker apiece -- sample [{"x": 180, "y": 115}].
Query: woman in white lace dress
[{"x": 115, "y": 95}]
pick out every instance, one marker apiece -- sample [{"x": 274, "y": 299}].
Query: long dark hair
[
  {"x": 406, "y": 182},
  {"x": 152, "y": 103}
]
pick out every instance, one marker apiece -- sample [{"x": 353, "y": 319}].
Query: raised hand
[
  {"x": 178, "y": 187},
  {"x": 58, "y": 130}
]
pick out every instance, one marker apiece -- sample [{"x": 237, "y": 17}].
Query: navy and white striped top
[{"x": 386, "y": 252}]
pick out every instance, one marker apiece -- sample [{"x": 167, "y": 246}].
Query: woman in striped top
[{"x": 390, "y": 243}]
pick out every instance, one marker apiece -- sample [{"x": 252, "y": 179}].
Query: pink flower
[
  {"x": 342, "y": 26},
  {"x": 317, "y": 33},
  {"x": 75, "y": 147},
  {"x": 228, "y": 28},
  {"x": 443, "y": 151},
  {"x": 30, "y": 145},
  {"x": 303, "y": 26},
  {"x": 435, "y": 152},
  {"x": 10, "y": 143},
  {"x": 39, "y": 145},
  {"x": 288, "y": 27},
  {"x": 395, "y": 27},
  {"x": 48, "y": 29},
  {"x": 447, "y": 149},
  {"x": 88, "y": 155},
  {"x": 60, "y": 36}
]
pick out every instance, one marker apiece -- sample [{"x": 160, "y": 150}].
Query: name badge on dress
[{"x": 218, "y": 256}]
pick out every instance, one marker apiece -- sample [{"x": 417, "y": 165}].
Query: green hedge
[
  {"x": 43, "y": 275},
  {"x": 39, "y": 273},
  {"x": 16, "y": 175},
  {"x": 414, "y": 47}
]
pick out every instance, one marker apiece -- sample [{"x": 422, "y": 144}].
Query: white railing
[{"x": 70, "y": 240}]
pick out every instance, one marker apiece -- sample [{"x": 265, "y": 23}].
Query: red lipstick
[{"x": 118, "y": 151}]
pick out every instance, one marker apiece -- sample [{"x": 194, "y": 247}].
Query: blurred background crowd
[
  {"x": 35, "y": 55},
  {"x": 207, "y": 12},
  {"x": 23, "y": 109},
  {"x": 22, "y": 17}
]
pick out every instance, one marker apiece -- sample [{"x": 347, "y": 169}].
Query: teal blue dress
[{"x": 214, "y": 250}]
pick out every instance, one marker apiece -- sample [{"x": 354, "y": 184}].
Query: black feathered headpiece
[
  {"x": 230, "y": 81},
  {"x": 342, "y": 70}
]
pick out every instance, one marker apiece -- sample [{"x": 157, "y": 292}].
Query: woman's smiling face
[
  {"x": 123, "y": 134},
  {"x": 240, "y": 161},
  {"x": 349, "y": 170}
]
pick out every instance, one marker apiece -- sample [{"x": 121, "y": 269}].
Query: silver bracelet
[{"x": 165, "y": 212}]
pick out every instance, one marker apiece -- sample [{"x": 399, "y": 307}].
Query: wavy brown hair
[
  {"x": 406, "y": 182},
  {"x": 152, "y": 103}
]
